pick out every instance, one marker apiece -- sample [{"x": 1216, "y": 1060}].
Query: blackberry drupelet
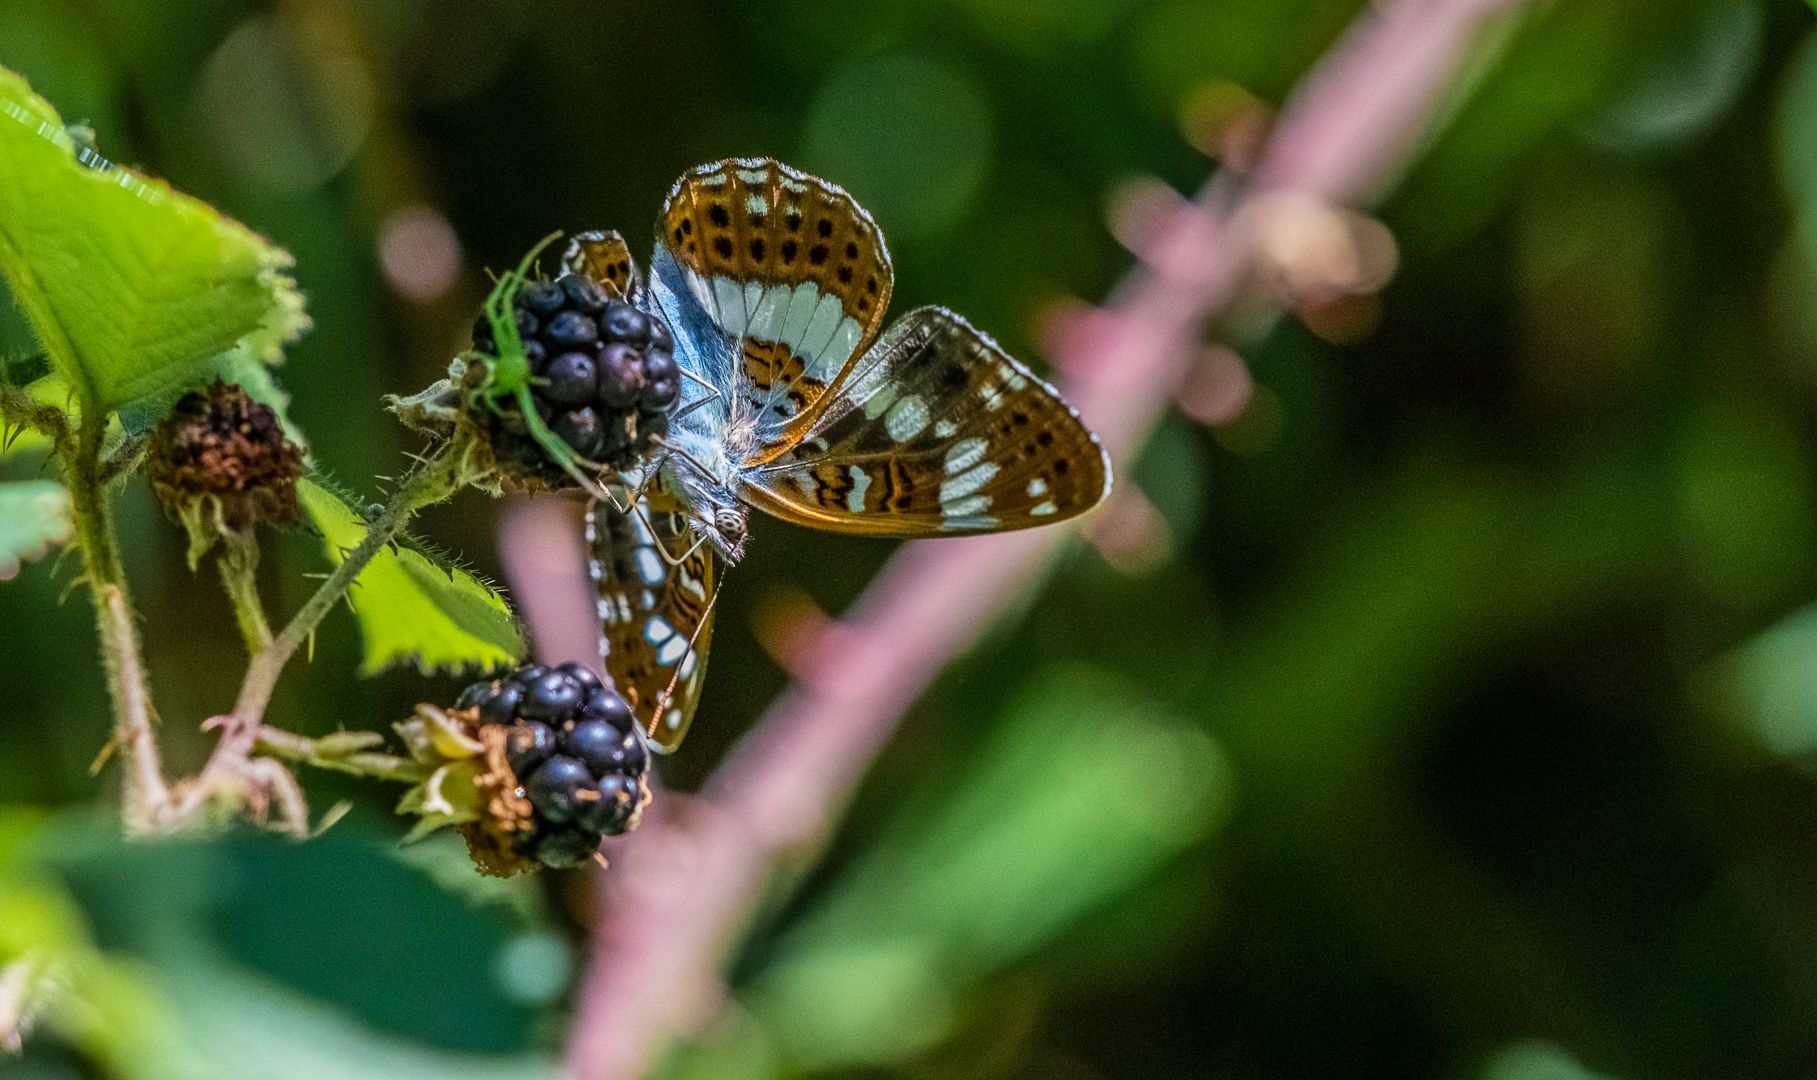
[
  {"x": 571, "y": 743},
  {"x": 603, "y": 377}
]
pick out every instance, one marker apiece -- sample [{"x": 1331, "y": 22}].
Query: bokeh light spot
[
  {"x": 533, "y": 968},
  {"x": 420, "y": 252},
  {"x": 1684, "y": 91},
  {"x": 287, "y": 107},
  {"x": 909, "y": 137}
]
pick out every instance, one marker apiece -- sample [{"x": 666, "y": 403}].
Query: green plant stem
[
  {"x": 147, "y": 796},
  {"x": 430, "y": 482},
  {"x": 294, "y": 747},
  {"x": 239, "y": 567}
]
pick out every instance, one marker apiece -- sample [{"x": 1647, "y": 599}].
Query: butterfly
[{"x": 774, "y": 284}]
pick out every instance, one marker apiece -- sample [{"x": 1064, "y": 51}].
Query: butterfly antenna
[{"x": 706, "y": 617}]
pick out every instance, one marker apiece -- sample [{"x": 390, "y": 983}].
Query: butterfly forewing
[
  {"x": 648, "y": 611},
  {"x": 936, "y": 431},
  {"x": 789, "y": 268},
  {"x": 606, "y": 258}
]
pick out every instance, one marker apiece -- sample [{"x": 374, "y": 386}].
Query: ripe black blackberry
[
  {"x": 604, "y": 376},
  {"x": 573, "y": 750}
]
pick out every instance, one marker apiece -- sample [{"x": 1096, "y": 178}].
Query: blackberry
[
  {"x": 604, "y": 748},
  {"x": 573, "y": 379},
  {"x": 582, "y": 430},
  {"x": 554, "y": 788},
  {"x": 528, "y": 745},
  {"x": 612, "y": 812},
  {"x": 574, "y": 756},
  {"x": 604, "y": 377},
  {"x": 621, "y": 376},
  {"x": 552, "y": 695},
  {"x": 604, "y": 704}
]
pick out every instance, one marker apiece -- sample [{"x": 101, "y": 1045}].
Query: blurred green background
[{"x": 1456, "y": 721}]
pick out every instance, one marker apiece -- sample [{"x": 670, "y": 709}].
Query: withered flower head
[{"x": 219, "y": 463}]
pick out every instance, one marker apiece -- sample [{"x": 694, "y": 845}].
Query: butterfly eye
[{"x": 730, "y": 524}]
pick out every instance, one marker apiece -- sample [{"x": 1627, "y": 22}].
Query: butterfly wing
[
  {"x": 606, "y": 258},
  {"x": 935, "y": 432},
  {"x": 787, "y": 269},
  {"x": 648, "y": 611}
]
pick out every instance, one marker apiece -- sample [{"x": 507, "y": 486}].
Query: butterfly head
[
  {"x": 698, "y": 470},
  {"x": 726, "y": 531}
]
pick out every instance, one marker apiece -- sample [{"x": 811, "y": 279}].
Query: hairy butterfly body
[{"x": 775, "y": 284}]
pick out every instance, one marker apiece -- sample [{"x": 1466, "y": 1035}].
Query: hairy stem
[
  {"x": 147, "y": 796},
  {"x": 239, "y": 567},
  {"x": 430, "y": 482}
]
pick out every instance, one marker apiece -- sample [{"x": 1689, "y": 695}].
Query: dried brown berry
[
  {"x": 220, "y": 459},
  {"x": 506, "y": 823}
]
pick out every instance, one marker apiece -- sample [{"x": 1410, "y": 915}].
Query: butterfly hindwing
[
  {"x": 789, "y": 268},
  {"x": 606, "y": 258},
  {"x": 935, "y": 431},
  {"x": 648, "y": 611}
]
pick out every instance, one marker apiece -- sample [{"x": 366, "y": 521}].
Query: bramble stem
[
  {"x": 239, "y": 567},
  {"x": 147, "y": 797},
  {"x": 430, "y": 482}
]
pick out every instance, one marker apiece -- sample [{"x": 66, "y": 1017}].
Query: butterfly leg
[
  {"x": 679, "y": 452},
  {"x": 717, "y": 396},
  {"x": 668, "y": 693},
  {"x": 637, "y": 508}
]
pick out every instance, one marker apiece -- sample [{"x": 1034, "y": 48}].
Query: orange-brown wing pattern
[
  {"x": 648, "y": 611},
  {"x": 606, "y": 258},
  {"x": 936, "y": 432},
  {"x": 788, "y": 265}
]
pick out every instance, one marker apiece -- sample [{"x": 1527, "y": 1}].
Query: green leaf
[
  {"x": 413, "y": 609},
  {"x": 34, "y": 517},
  {"x": 130, "y": 286}
]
